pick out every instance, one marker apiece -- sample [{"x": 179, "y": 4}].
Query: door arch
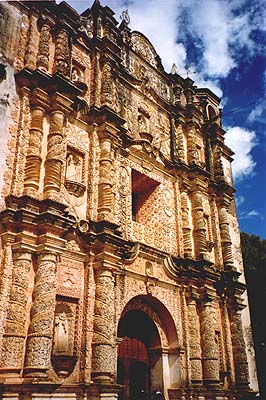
[{"x": 148, "y": 358}]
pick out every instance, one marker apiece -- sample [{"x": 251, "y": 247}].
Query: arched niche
[
  {"x": 148, "y": 343},
  {"x": 211, "y": 112}
]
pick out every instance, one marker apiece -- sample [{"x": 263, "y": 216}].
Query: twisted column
[
  {"x": 5, "y": 282},
  {"x": 62, "y": 53},
  {"x": 210, "y": 357},
  {"x": 199, "y": 231},
  {"x": 106, "y": 180},
  {"x": 186, "y": 228},
  {"x": 40, "y": 333},
  {"x": 15, "y": 329},
  {"x": 31, "y": 48},
  {"x": 227, "y": 341},
  {"x": 103, "y": 349},
  {"x": 33, "y": 159},
  {"x": 44, "y": 48},
  {"x": 107, "y": 87},
  {"x": 239, "y": 348},
  {"x": 225, "y": 237},
  {"x": 194, "y": 337},
  {"x": 55, "y": 154}
]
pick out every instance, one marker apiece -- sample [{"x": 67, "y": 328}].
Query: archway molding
[{"x": 165, "y": 371}]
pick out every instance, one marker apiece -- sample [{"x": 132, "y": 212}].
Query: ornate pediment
[{"x": 142, "y": 46}]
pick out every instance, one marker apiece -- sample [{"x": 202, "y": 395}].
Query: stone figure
[
  {"x": 73, "y": 168},
  {"x": 61, "y": 334}
]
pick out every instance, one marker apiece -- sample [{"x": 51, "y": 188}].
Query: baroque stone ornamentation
[
  {"x": 44, "y": 48},
  {"x": 39, "y": 341},
  {"x": 120, "y": 266}
]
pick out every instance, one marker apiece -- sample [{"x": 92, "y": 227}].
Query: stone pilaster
[
  {"x": 62, "y": 53},
  {"x": 15, "y": 330},
  {"x": 186, "y": 228},
  {"x": 40, "y": 333},
  {"x": 194, "y": 336},
  {"x": 33, "y": 159},
  {"x": 239, "y": 348},
  {"x": 210, "y": 358},
  {"x": 103, "y": 349},
  {"x": 44, "y": 47},
  {"x": 225, "y": 233},
  {"x": 199, "y": 231}
]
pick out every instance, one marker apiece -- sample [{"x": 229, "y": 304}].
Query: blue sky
[{"x": 223, "y": 44}]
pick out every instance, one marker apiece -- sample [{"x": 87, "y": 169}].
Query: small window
[
  {"x": 142, "y": 189},
  {"x": 211, "y": 112}
]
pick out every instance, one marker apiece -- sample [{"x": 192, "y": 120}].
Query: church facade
[{"x": 121, "y": 267}]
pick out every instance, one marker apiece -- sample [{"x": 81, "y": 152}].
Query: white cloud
[
  {"x": 240, "y": 200},
  {"x": 250, "y": 214},
  {"x": 241, "y": 141}
]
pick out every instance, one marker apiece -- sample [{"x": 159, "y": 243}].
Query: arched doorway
[{"x": 148, "y": 357}]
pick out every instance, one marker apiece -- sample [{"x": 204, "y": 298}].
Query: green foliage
[
  {"x": 254, "y": 258},
  {"x": 254, "y": 253}
]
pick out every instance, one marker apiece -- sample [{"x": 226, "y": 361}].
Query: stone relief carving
[{"x": 142, "y": 47}]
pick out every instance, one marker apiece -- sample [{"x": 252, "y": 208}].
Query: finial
[
  {"x": 125, "y": 17},
  {"x": 174, "y": 69}
]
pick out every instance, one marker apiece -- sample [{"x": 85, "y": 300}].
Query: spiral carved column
[
  {"x": 199, "y": 232},
  {"x": 194, "y": 337},
  {"x": 62, "y": 53},
  {"x": 103, "y": 350},
  {"x": 44, "y": 48},
  {"x": 40, "y": 333},
  {"x": 33, "y": 159},
  {"x": 186, "y": 229},
  {"x": 227, "y": 341},
  {"x": 15, "y": 330},
  {"x": 210, "y": 358},
  {"x": 6, "y": 281},
  {"x": 107, "y": 87},
  {"x": 239, "y": 348},
  {"x": 106, "y": 181},
  {"x": 55, "y": 154},
  {"x": 225, "y": 237}
]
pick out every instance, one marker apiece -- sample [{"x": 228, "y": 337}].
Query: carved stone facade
[{"x": 121, "y": 273}]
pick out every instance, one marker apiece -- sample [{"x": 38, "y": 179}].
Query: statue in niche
[
  {"x": 143, "y": 126},
  {"x": 61, "y": 334},
  {"x": 73, "y": 168}
]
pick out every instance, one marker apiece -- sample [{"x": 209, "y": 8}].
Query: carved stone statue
[
  {"x": 61, "y": 334},
  {"x": 73, "y": 168}
]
